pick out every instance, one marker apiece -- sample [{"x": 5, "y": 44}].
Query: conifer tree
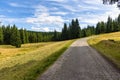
[
  {"x": 26, "y": 36},
  {"x": 22, "y": 36},
  {"x": 98, "y": 28},
  {"x": 77, "y": 29},
  {"x": 6, "y": 34},
  {"x": 1, "y": 35},
  {"x": 32, "y": 37},
  {"x": 64, "y": 32},
  {"x": 55, "y": 36},
  {"x": 15, "y": 37},
  {"x": 109, "y": 25}
]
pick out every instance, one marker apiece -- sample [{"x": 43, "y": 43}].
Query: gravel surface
[{"x": 81, "y": 62}]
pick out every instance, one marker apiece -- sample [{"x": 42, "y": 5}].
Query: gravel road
[{"x": 81, "y": 62}]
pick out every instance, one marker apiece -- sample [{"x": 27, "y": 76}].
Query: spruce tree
[
  {"x": 118, "y": 21},
  {"x": 119, "y": 18},
  {"x": 70, "y": 34},
  {"x": 77, "y": 29},
  {"x": 109, "y": 25},
  {"x": 1, "y": 35},
  {"x": 72, "y": 29},
  {"x": 22, "y": 36},
  {"x": 55, "y": 36},
  {"x": 39, "y": 37},
  {"x": 64, "y": 32},
  {"x": 15, "y": 37},
  {"x": 32, "y": 37},
  {"x": 102, "y": 25},
  {"x": 83, "y": 33},
  {"x": 98, "y": 28},
  {"x": 26, "y": 36},
  {"x": 7, "y": 34}
]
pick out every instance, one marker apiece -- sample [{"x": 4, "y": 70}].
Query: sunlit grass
[
  {"x": 8, "y": 50},
  {"x": 108, "y": 45},
  {"x": 27, "y": 62}
]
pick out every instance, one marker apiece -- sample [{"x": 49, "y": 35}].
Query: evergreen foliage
[
  {"x": 64, "y": 34},
  {"x": 23, "y": 36},
  {"x": 56, "y": 36},
  {"x": 6, "y": 34},
  {"x": 1, "y": 35},
  {"x": 11, "y": 35},
  {"x": 15, "y": 37},
  {"x": 71, "y": 32}
]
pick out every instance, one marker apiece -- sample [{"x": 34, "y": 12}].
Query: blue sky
[{"x": 47, "y": 15}]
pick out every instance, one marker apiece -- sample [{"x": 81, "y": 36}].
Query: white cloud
[
  {"x": 100, "y": 12},
  {"x": 44, "y": 29},
  {"x": 52, "y": 16},
  {"x": 60, "y": 13},
  {"x": 59, "y": 1},
  {"x": 69, "y": 7},
  {"x": 75, "y": 0},
  {"x": 42, "y": 17},
  {"x": 2, "y": 16},
  {"x": 53, "y": 8},
  {"x": 45, "y": 18},
  {"x": 88, "y": 7},
  {"x": 13, "y": 4},
  {"x": 7, "y": 20},
  {"x": 93, "y": 2},
  {"x": 17, "y": 5},
  {"x": 95, "y": 18}
]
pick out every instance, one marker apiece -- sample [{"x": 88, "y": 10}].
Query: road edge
[{"x": 106, "y": 58}]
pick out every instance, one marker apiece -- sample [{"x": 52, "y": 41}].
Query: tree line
[
  {"x": 109, "y": 26},
  {"x": 68, "y": 32},
  {"x": 74, "y": 30},
  {"x": 11, "y": 35}
]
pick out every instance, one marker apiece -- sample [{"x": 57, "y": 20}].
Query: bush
[{"x": 111, "y": 40}]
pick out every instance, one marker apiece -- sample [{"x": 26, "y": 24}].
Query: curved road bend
[{"x": 81, "y": 62}]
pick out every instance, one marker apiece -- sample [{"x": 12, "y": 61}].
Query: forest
[{"x": 11, "y": 35}]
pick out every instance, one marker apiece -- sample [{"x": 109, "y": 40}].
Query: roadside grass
[
  {"x": 108, "y": 45},
  {"x": 9, "y": 51},
  {"x": 29, "y": 65}
]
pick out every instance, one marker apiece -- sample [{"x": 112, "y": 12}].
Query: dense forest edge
[{"x": 11, "y": 35}]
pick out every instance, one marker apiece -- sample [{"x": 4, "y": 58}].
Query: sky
[{"x": 50, "y": 15}]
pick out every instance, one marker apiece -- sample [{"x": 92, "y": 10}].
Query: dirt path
[{"x": 81, "y": 62}]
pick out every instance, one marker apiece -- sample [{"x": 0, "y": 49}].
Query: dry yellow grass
[
  {"x": 96, "y": 39},
  {"x": 108, "y": 45},
  {"x": 29, "y": 60},
  {"x": 9, "y": 51}
]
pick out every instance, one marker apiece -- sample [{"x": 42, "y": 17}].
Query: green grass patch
[
  {"x": 30, "y": 65},
  {"x": 108, "y": 45}
]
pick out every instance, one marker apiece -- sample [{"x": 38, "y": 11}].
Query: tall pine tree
[
  {"x": 22, "y": 36},
  {"x": 77, "y": 29},
  {"x": 55, "y": 36},
  {"x": 64, "y": 34},
  {"x": 109, "y": 25},
  {"x": 7, "y": 34},
  {"x": 1, "y": 35},
  {"x": 15, "y": 37}
]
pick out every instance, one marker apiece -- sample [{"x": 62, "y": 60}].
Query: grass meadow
[
  {"x": 108, "y": 45},
  {"x": 29, "y": 61}
]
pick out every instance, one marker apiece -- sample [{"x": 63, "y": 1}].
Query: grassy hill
[
  {"x": 27, "y": 62},
  {"x": 108, "y": 45}
]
